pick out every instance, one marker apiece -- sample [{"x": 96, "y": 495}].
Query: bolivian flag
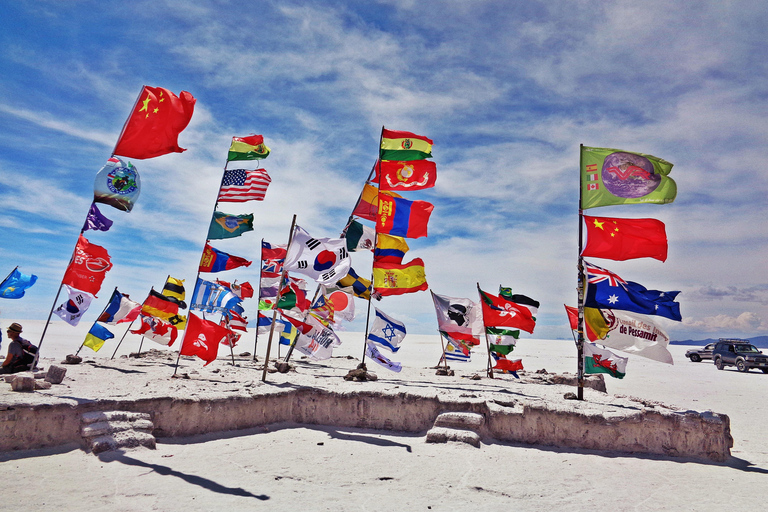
[
  {"x": 397, "y": 145},
  {"x": 248, "y": 148}
]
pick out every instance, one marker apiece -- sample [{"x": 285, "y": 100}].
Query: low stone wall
[{"x": 647, "y": 430}]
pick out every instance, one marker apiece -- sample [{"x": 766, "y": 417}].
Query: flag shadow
[{"x": 199, "y": 481}]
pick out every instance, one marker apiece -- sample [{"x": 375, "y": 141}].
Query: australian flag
[{"x": 609, "y": 291}]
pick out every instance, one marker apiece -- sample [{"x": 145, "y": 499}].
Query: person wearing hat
[{"x": 15, "y": 360}]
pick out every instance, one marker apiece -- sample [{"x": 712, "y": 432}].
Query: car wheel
[
  {"x": 719, "y": 363},
  {"x": 741, "y": 365},
  {"x": 695, "y": 358}
]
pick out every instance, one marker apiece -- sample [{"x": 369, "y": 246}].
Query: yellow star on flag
[{"x": 599, "y": 224}]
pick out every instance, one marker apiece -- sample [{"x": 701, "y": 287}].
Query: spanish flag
[{"x": 397, "y": 279}]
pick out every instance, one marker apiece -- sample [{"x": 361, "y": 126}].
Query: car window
[
  {"x": 746, "y": 348},
  {"x": 711, "y": 346}
]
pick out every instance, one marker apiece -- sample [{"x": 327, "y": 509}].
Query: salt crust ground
[{"x": 327, "y": 468}]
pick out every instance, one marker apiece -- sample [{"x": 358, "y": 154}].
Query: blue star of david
[{"x": 389, "y": 332}]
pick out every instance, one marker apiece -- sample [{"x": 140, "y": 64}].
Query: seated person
[{"x": 19, "y": 351}]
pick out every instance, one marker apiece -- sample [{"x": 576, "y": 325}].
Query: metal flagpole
[
  {"x": 279, "y": 293},
  {"x": 9, "y": 275},
  {"x": 489, "y": 367},
  {"x": 121, "y": 339},
  {"x": 258, "y": 298},
  {"x": 581, "y": 284},
  {"x": 97, "y": 319}
]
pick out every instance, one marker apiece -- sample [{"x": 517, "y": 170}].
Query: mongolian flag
[
  {"x": 499, "y": 312},
  {"x": 613, "y": 176},
  {"x": 405, "y": 176},
  {"x": 214, "y": 260},
  {"x": 155, "y": 124},
  {"x": 395, "y": 279},
  {"x": 400, "y": 146},
  {"x": 224, "y": 225},
  {"x": 247, "y": 148},
  {"x": 88, "y": 267},
  {"x": 624, "y": 239},
  {"x": 368, "y": 206},
  {"x": 401, "y": 217},
  {"x": 202, "y": 339}
]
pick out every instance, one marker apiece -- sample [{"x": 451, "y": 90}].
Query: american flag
[{"x": 240, "y": 185}]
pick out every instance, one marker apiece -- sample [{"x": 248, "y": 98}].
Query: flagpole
[
  {"x": 296, "y": 338},
  {"x": 125, "y": 124},
  {"x": 9, "y": 275},
  {"x": 277, "y": 300},
  {"x": 258, "y": 298},
  {"x": 121, "y": 339},
  {"x": 230, "y": 337},
  {"x": 489, "y": 368},
  {"x": 442, "y": 344},
  {"x": 97, "y": 319},
  {"x": 580, "y": 292}
]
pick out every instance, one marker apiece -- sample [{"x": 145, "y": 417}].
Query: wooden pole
[
  {"x": 581, "y": 284},
  {"x": 489, "y": 367},
  {"x": 274, "y": 314},
  {"x": 258, "y": 297}
]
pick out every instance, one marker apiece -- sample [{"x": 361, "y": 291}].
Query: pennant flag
[
  {"x": 399, "y": 146},
  {"x": 248, "y": 148},
  {"x": 459, "y": 318},
  {"x": 500, "y": 340},
  {"x": 242, "y": 290},
  {"x": 629, "y": 332},
  {"x": 118, "y": 185},
  {"x": 609, "y": 291},
  {"x": 75, "y": 307},
  {"x": 174, "y": 291},
  {"x": 499, "y": 312},
  {"x": 202, "y": 339},
  {"x": 88, "y": 267},
  {"x": 322, "y": 259},
  {"x": 120, "y": 309},
  {"x": 390, "y": 249},
  {"x": 368, "y": 206},
  {"x": 318, "y": 343},
  {"x": 573, "y": 317},
  {"x": 343, "y": 305},
  {"x": 14, "y": 286},
  {"x": 214, "y": 260},
  {"x": 359, "y": 237},
  {"x": 401, "y": 217},
  {"x": 210, "y": 297},
  {"x": 272, "y": 252},
  {"x": 95, "y": 220},
  {"x": 598, "y": 360},
  {"x": 505, "y": 365},
  {"x": 625, "y": 239},
  {"x": 160, "y": 306},
  {"x": 155, "y": 124},
  {"x": 394, "y": 279},
  {"x": 613, "y": 176},
  {"x": 386, "y": 331},
  {"x": 224, "y": 225},
  {"x": 413, "y": 175},
  {"x": 157, "y": 330},
  {"x": 96, "y": 337},
  {"x": 240, "y": 185},
  {"x": 456, "y": 350},
  {"x": 373, "y": 353},
  {"x": 520, "y": 300}
]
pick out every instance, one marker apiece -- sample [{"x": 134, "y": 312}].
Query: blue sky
[{"x": 507, "y": 91}]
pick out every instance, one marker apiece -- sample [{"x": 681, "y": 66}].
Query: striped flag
[{"x": 240, "y": 185}]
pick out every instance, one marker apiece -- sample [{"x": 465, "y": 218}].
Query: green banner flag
[
  {"x": 224, "y": 225},
  {"x": 613, "y": 176}
]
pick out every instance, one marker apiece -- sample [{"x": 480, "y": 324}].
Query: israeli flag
[{"x": 386, "y": 332}]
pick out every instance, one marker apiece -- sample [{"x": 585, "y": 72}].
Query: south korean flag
[{"x": 325, "y": 260}]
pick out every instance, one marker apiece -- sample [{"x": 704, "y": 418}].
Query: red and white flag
[
  {"x": 202, "y": 339},
  {"x": 88, "y": 267},
  {"x": 240, "y": 185}
]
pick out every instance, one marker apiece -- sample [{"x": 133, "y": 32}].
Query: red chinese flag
[
  {"x": 155, "y": 124},
  {"x": 202, "y": 339},
  {"x": 88, "y": 267},
  {"x": 410, "y": 175},
  {"x": 625, "y": 239},
  {"x": 499, "y": 312}
]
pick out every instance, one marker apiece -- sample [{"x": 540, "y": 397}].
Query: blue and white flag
[
  {"x": 386, "y": 331},
  {"x": 609, "y": 291},
  {"x": 456, "y": 351},
  {"x": 212, "y": 297},
  {"x": 75, "y": 307},
  {"x": 14, "y": 286},
  {"x": 372, "y": 352}
]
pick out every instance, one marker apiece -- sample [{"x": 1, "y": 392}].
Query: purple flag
[{"x": 96, "y": 221}]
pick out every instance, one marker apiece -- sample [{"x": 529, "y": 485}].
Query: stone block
[
  {"x": 20, "y": 383},
  {"x": 55, "y": 374}
]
